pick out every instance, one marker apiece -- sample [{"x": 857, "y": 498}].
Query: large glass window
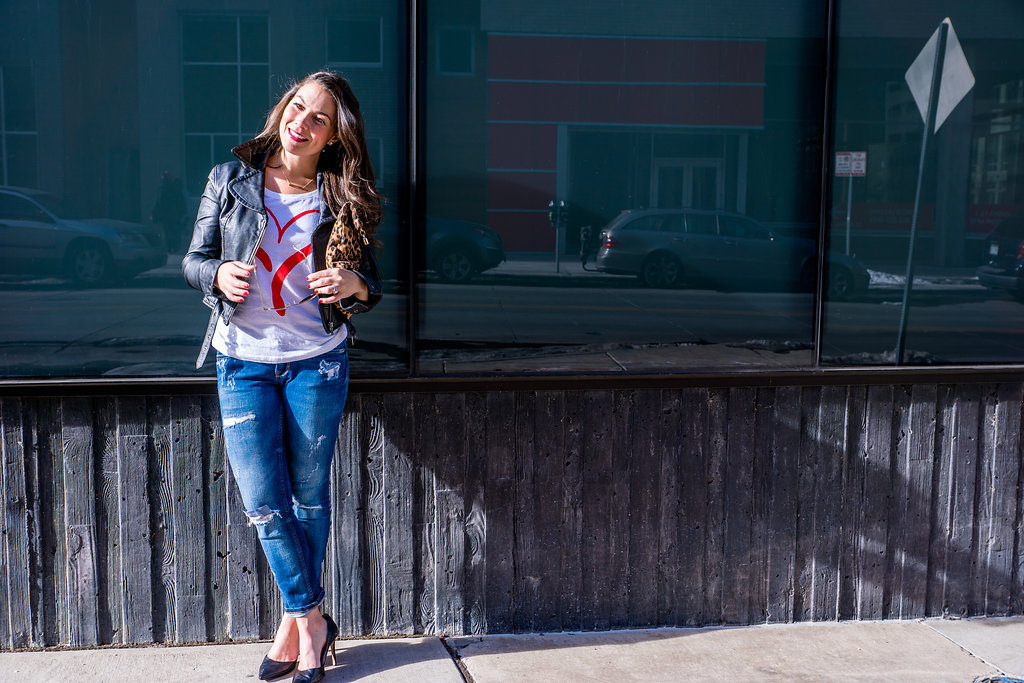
[
  {"x": 111, "y": 116},
  {"x": 606, "y": 188},
  {"x": 965, "y": 305},
  {"x": 563, "y": 166}
]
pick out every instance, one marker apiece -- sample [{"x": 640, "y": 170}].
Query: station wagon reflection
[
  {"x": 40, "y": 237},
  {"x": 673, "y": 248}
]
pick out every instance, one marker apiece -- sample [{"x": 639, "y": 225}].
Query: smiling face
[{"x": 308, "y": 122}]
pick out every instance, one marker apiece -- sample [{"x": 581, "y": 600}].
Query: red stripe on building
[
  {"x": 569, "y": 58},
  {"x": 520, "y": 190},
  {"x": 536, "y": 82},
  {"x": 697, "y": 105},
  {"x": 523, "y": 231},
  {"x": 521, "y": 146}
]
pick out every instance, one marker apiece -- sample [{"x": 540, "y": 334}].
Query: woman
[{"x": 282, "y": 364}]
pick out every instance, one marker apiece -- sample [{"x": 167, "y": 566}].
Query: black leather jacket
[{"x": 229, "y": 227}]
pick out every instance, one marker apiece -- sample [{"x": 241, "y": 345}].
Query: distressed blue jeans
[{"x": 280, "y": 425}]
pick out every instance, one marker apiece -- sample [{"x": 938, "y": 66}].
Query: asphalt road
[{"x": 154, "y": 326}]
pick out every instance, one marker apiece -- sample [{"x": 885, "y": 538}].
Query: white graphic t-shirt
[{"x": 271, "y": 325}]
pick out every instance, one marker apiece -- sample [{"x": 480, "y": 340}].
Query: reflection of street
[
  {"x": 154, "y": 327},
  {"x": 611, "y": 328},
  {"x": 149, "y": 327},
  {"x": 945, "y": 327},
  {"x": 640, "y": 329},
  {"x": 540, "y": 315},
  {"x": 514, "y": 323}
]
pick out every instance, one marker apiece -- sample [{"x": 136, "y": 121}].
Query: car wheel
[
  {"x": 89, "y": 263},
  {"x": 840, "y": 283},
  {"x": 455, "y": 265},
  {"x": 661, "y": 270}
]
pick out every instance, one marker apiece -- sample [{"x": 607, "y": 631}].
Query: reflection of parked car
[
  {"x": 456, "y": 250},
  {"x": 667, "y": 248},
  {"x": 38, "y": 238},
  {"x": 1005, "y": 267}
]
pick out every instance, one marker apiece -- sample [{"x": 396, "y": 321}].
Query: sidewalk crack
[
  {"x": 457, "y": 659},
  {"x": 924, "y": 622}
]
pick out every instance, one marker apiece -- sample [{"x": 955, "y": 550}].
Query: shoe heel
[{"x": 334, "y": 656}]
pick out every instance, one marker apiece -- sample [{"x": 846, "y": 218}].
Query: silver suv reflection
[
  {"x": 677, "y": 247},
  {"x": 39, "y": 238}
]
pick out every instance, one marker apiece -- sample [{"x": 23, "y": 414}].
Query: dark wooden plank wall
[{"x": 525, "y": 511}]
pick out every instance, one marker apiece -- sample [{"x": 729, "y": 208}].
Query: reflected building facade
[
  {"x": 654, "y": 106},
  {"x": 100, "y": 99},
  {"x": 972, "y": 175},
  {"x": 104, "y": 101},
  {"x": 676, "y": 109}
]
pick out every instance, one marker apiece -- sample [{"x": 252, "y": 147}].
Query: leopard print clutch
[{"x": 347, "y": 241}]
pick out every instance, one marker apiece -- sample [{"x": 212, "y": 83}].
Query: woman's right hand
[{"x": 233, "y": 280}]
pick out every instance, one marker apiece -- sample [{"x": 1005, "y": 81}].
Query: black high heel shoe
[
  {"x": 271, "y": 668},
  {"x": 317, "y": 674}
]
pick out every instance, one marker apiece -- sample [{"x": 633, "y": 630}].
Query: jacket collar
[
  {"x": 248, "y": 187},
  {"x": 253, "y": 153}
]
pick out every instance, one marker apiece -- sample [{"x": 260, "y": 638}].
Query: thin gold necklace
[
  {"x": 303, "y": 186},
  {"x": 297, "y": 186}
]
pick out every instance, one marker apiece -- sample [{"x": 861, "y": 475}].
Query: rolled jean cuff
[{"x": 303, "y": 611}]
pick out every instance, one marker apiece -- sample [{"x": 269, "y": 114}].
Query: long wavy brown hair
[{"x": 345, "y": 164}]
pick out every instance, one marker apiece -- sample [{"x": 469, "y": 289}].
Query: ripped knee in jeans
[
  {"x": 310, "y": 511},
  {"x": 261, "y": 515},
  {"x": 237, "y": 419}
]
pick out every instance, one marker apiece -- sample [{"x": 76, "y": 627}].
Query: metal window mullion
[
  {"x": 824, "y": 215},
  {"x": 414, "y": 198}
]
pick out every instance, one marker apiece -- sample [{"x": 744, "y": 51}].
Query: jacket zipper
[
  {"x": 252, "y": 255},
  {"x": 259, "y": 238}
]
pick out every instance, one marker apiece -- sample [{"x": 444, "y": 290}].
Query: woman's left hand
[{"x": 335, "y": 284}]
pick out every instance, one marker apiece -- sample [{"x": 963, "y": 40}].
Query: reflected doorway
[{"x": 688, "y": 184}]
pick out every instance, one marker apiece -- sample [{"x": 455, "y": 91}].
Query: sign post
[
  {"x": 938, "y": 79},
  {"x": 850, "y": 164}
]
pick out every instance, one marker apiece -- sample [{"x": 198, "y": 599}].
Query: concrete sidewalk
[{"x": 929, "y": 650}]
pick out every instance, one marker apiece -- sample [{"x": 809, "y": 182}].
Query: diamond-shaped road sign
[{"x": 957, "y": 79}]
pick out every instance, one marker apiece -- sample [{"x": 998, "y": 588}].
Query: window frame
[{"x": 239, "y": 134}]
